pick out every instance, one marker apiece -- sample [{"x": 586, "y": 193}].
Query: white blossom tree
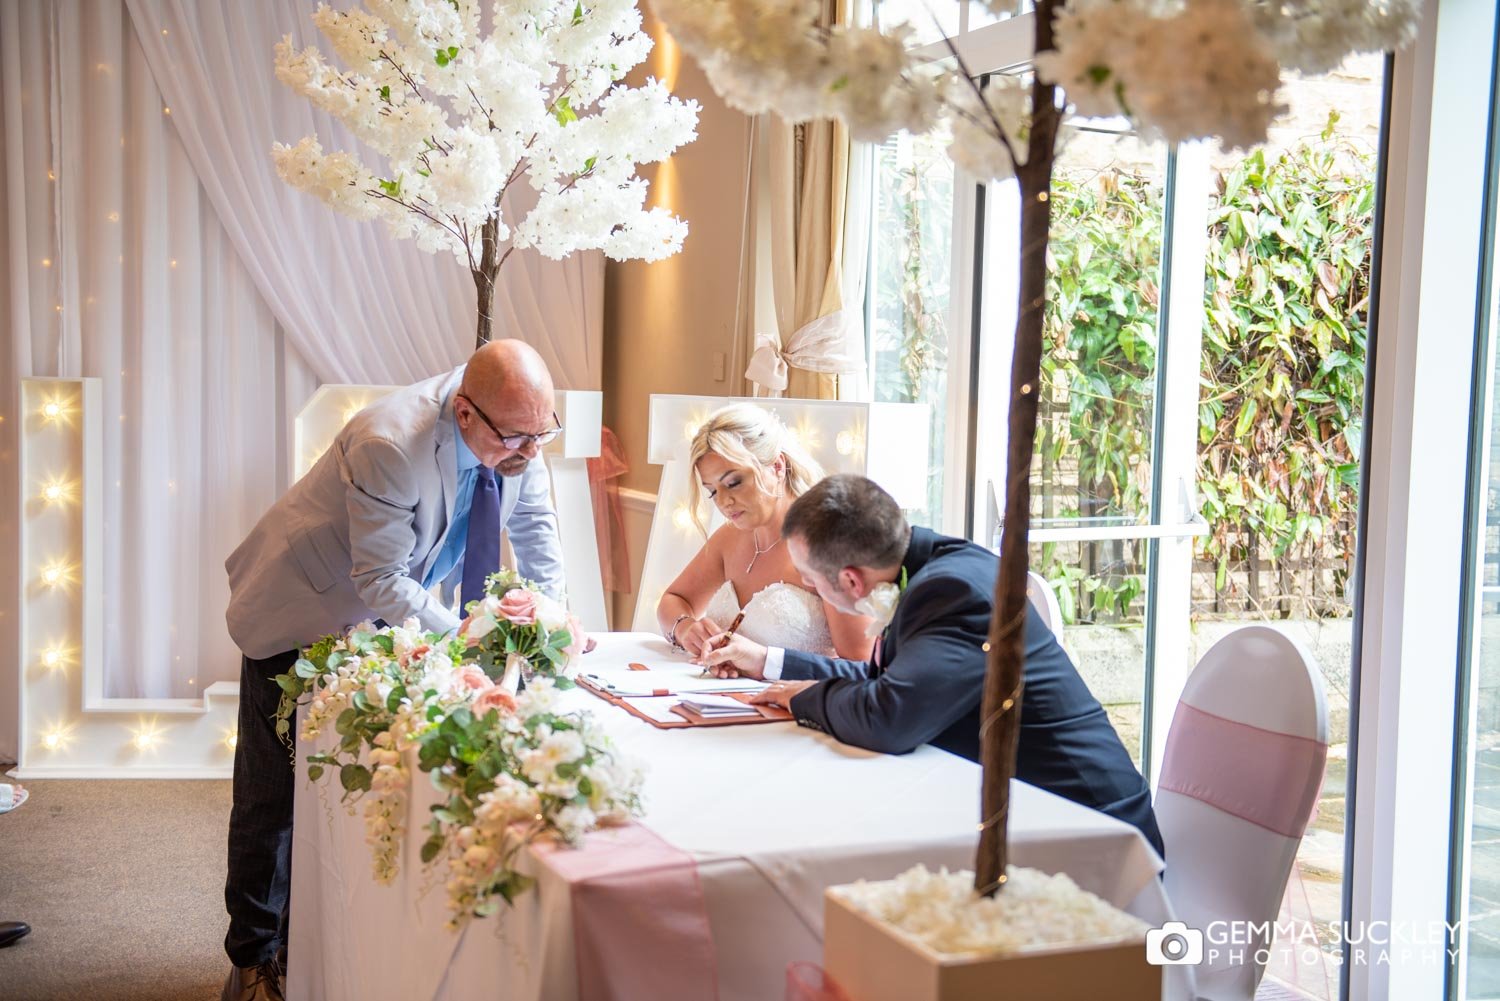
[
  {"x": 1178, "y": 69},
  {"x": 459, "y": 115}
]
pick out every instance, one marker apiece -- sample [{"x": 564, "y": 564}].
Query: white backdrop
[{"x": 147, "y": 241}]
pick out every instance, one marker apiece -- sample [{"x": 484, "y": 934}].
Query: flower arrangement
[
  {"x": 512, "y": 767},
  {"x": 459, "y": 116},
  {"x": 517, "y": 630}
]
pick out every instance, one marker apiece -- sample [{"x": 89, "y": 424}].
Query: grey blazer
[{"x": 353, "y": 539}]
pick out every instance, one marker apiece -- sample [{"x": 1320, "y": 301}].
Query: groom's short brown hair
[{"x": 848, "y": 521}]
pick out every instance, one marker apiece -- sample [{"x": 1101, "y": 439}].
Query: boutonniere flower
[{"x": 880, "y": 605}]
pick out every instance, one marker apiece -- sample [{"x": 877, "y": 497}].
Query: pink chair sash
[
  {"x": 1268, "y": 778},
  {"x": 640, "y": 927}
]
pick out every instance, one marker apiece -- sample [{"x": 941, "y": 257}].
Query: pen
[{"x": 723, "y": 641}]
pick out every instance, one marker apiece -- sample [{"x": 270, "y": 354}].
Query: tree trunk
[
  {"x": 1007, "y": 647},
  {"x": 484, "y": 280}
]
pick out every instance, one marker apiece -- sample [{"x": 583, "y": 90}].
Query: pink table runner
[{"x": 639, "y": 922}]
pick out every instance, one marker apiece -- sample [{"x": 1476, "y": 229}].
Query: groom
[
  {"x": 846, "y": 537},
  {"x": 413, "y": 491}
]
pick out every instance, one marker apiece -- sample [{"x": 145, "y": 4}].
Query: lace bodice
[{"x": 780, "y": 614}]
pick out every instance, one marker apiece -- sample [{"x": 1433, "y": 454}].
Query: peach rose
[
  {"x": 575, "y": 638},
  {"x": 518, "y": 606},
  {"x": 473, "y": 676},
  {"x": 494, "y": 697},
  {"x": 413, "y": 655}
]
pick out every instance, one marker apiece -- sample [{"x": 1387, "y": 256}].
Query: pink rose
[
  {"x": 473, "y": 676},
  {"x": 518, "y": 606},
  {"x": 415, "y": 654},
  {"x": 575, "y": 638},
  {"x": 494, "y": 697}
]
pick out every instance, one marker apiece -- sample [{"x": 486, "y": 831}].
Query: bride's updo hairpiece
[{"x": 747, "y": 435}]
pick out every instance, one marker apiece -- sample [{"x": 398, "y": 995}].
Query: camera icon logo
[{"x": 1174, "y": 944}]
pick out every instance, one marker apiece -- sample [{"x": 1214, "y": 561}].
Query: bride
[{"x": 752, "y": 469}]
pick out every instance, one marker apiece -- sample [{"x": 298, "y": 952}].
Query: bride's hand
[
  {"x": 739, "y": 658},
  {"x": 694, "y": 635}
]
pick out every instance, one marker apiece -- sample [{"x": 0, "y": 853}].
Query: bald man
[{"x": 412, "y": 493}]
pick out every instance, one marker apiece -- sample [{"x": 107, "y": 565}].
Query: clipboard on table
[{"x": 689, "y": 718}]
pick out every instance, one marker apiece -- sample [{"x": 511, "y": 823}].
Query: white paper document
[
  {"x": 667, "y": 679},
  {"x": 719, "y": 705}
]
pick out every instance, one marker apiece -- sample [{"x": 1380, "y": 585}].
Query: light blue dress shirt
[{"x": 458, "y": 532}]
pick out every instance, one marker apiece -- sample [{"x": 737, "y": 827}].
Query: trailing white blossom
[
  {"x": 455, "y": 116},
  {"x": 1201, "y": 69},
  {"x": 765, "y": 55},
  {"x": 976, "y": 143},
  {"x": 1178, "y": 69},
  {"x": 1316, "y": 36}
]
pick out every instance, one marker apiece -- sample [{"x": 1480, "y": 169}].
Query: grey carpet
[{"x": 122, "y": 883}]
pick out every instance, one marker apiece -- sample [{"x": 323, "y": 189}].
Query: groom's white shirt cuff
[{"x": 774, "y": 657}]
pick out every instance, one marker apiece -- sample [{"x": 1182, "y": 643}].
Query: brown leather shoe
[{"x": 266, "y": 982}]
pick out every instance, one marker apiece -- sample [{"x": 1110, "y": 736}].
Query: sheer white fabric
[
  {"x": 358, "y": 305},
  {"x": 779, "y": 614},
  {"x": 115, "y": 266},
  {"x": 158, "y": 250}
]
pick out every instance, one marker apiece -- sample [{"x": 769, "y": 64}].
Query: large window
[
  {"x": 1201, "y": 413},
  {"x": 910, "y": 291},
  {"x": 1477, "y": 859}
]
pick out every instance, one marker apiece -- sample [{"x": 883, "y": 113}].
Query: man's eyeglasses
[{"x": 514, "y": 441}]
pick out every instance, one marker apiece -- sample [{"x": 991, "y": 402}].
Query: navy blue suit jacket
[{"x": 926, "y": 686}]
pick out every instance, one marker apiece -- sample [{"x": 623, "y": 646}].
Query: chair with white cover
[
  {"x": 1040, "y": 594},
  {"x": 1240, "y": 777}
]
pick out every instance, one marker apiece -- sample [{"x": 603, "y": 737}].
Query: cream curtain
[
  {"x": 801, "y": 305},
  {"x": 360, "y": 306},
  {"x": 115, "y": 266},
  {"x": 148, "y": 242}
]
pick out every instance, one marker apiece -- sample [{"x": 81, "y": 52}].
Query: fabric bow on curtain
[{"x": 801, "y": 288}]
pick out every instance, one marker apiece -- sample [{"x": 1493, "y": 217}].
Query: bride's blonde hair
[{"x": 747, "y": 435}]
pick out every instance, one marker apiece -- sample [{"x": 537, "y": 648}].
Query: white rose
[
  {"x": 376, "y": 691},
  {"x": 573, "y": 821},
  {"x": 550, "y": 613},
  {"x": 480, "y": 625}
]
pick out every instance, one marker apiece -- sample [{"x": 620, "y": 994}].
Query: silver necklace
[{"x": 759, "y": 552}]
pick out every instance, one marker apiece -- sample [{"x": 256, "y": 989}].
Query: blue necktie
[{"x": 482, "y": 545}]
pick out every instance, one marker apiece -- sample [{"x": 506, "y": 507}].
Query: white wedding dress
[{"x": 779, "y": 614}]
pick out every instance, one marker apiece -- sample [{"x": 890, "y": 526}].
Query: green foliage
[
  {"x": 1280, "y": 413},
  {"x": 1282, "y": 374},
  {"x": 1098, "y": 375}
]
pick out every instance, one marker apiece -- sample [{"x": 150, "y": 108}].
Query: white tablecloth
[{"x": 772, "y": 814}]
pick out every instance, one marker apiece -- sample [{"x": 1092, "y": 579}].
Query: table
[{"x": 771, "y": 813}]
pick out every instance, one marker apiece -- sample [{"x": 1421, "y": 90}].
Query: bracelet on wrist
[{"x": 671, "y": 633}]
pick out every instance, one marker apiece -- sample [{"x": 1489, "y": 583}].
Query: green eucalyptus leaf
[{"x": 355, "y": 778}]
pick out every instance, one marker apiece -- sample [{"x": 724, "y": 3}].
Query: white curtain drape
[
  {"x": 148, "y": 241},
  {"x": 115, "y": 266},
  {"x": 360, "y": 306}
]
